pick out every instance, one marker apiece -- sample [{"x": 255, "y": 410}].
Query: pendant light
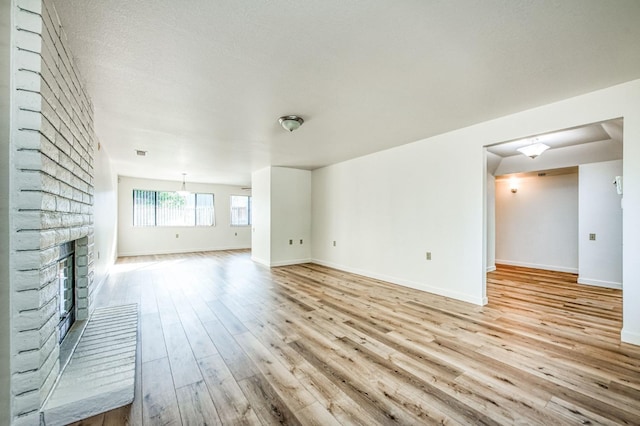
[{"x": 183, "y": 189}]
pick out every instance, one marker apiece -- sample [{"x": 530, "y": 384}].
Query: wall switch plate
[
  {"x": 592, "y": 237},
  {"x": 177, "y": 235},
  {"x": 428, "y": 255},
  {"x": 334, "y": 243}
]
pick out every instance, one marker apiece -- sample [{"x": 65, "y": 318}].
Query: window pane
[
  {"x": 144, "y": 208},
  {"x": 240, "y": 210},
  {"x": 173, "y": 209},
  {"x": 167, "y": 208},
  {"x": 204, "y": 210}
]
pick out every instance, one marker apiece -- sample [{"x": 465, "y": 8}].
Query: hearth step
[{"x": 100, "y": 376}]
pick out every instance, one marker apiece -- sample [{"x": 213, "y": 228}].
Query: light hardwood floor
[{"x": 224, "y": 340}]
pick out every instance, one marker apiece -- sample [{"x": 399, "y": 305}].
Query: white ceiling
[{"x": 200, "y": 84}]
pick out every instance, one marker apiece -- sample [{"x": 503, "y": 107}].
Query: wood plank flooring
[{"x": 226, "y": 341}]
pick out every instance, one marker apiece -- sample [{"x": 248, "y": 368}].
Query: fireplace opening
[{"x": 66, "y": 292}]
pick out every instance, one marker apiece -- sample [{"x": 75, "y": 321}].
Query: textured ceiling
[{"x": 200, "y": 84}]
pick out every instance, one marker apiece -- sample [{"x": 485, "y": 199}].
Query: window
[
  {"x": 240, "y": 210},
  {"x": 164, "y": 208}
]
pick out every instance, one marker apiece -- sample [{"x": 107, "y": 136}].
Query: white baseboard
[
  {"x": 491, "y": 268},
  {"x": 632, "y": 337},
  {"x": 406, "y": 283},
  {"x": 600, "y": 283},
  {"x": 260, "y": 261},
  {"x": 290, "y": 262},
  {"x": 181, "y": 251},
  {"x": 538, "y": 266},
  {"x": 279, "y": 263}
]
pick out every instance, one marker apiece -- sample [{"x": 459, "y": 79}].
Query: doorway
[{"x": 560, "y": 210}]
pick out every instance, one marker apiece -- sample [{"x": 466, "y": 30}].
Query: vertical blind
[
  {"x": 240, "y": 210},
  {"x": 164, "y": 208}
]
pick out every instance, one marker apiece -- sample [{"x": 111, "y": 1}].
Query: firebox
[{"x": 66, "y": 292}]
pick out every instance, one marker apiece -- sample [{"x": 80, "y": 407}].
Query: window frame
[
  {"x": 249, "y": 211},
  {"x": 155, "y": 206}
]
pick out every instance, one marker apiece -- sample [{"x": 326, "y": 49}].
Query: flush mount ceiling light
[
  {"x": 183, "y": 189},
  {"x": 291, "y": 122},
  {"x": 534, "y": 148}
]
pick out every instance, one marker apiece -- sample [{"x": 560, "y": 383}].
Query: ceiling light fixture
[
  {"x": 183, "y": 189},
  {"x": 291, "y": 122},
  {"x": 534, "y": 148}
]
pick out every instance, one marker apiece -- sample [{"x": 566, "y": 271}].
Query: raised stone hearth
[{"x": 101, "y": 373}]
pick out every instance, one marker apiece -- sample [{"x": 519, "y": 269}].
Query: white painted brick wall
[
  {"x": 53, "y": 150},
  {"x": 31, "y": 5}
]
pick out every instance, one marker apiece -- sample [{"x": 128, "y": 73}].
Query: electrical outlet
[
  {"x": 177, "y": 235},
  {"x": 428, "y": 255},
  {"x": 334, "y": 243},
  {"x": 300, "y": 240},
  {"x": 592, "y": 237},
  {"x": 290, "y": 242}
]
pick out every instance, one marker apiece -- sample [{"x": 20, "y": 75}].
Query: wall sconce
[{"x": 513, "y": 185}]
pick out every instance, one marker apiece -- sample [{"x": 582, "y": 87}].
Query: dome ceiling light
[{"x": 291, "y": 122}]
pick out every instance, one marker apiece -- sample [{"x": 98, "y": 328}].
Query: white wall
[
  {"x": 601, "y": 214},
  {"x": 261, "y": 206},
  {"x": 386, "y": 209},
  {"x": 491, "y": 223},
  {"x": 537, "y": 227},
  {"x": 133, "y": 241},
  {"x": 282, "y": 213},
  {"x": 492, "y": 163},
  {"x": 105, "y": 215},
  {"x": 290, "y": 216}
]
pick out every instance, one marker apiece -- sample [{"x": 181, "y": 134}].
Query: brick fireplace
[
  {"x": 52, "y": 144},
  {"x": 72, "y": 278}
]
